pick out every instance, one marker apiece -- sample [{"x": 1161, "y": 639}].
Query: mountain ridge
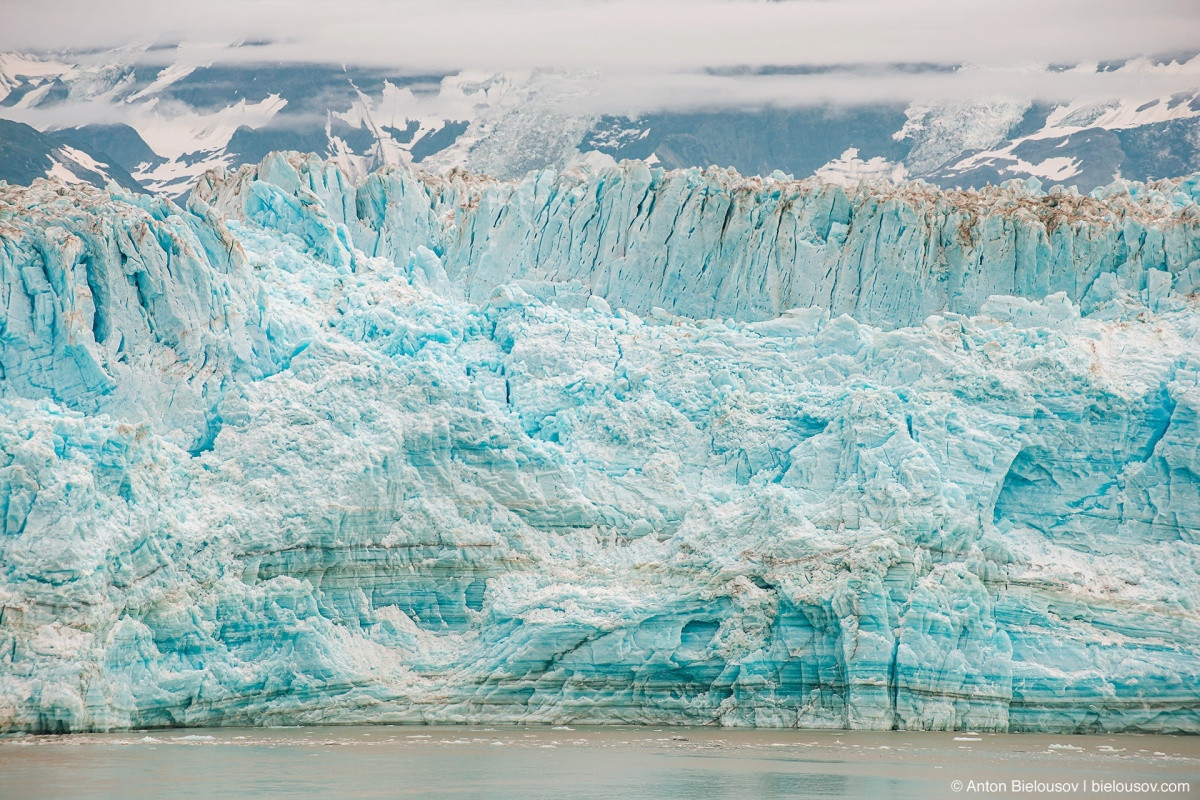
[{"x": 193, "y": 118}]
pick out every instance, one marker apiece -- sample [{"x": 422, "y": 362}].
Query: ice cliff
[
  {"x": 713, "y": 244},
  {"x": 610, "y": 445}
]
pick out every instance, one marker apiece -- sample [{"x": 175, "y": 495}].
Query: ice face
[
  {"x": 399, "y": 452},
  {"x": 712, "y": 244},
  {"x": 124, "y": 306}
]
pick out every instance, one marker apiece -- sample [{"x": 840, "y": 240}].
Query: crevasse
[{"x": 606, "y": 445}]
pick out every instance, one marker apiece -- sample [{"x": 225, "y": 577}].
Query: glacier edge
[{"x": 316, "y": 452}]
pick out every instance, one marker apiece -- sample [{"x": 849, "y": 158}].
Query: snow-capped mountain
[
  {"x": 26, "y": 154},
  {"x": 166, "y": 117}
]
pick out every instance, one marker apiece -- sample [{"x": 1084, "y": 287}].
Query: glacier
[
  {"x": 605, "y": 444},
  {"x": 707, "y": 244}
]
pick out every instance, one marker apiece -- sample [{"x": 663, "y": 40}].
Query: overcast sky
[{"x": 663, "y": 52}]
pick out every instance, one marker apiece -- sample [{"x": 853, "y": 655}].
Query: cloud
[
  {"x": 683, "y": 91},
  {"x": 668, "y": 34},
  {"x": 665, "y": 52}
]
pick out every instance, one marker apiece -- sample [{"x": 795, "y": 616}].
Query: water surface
[{"x": 615, "y": 763}]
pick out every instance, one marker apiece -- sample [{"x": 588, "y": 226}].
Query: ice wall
[
  {"x": 303, "y": 478},
  {"x": 121, "y": 305},
  {"x": 708, "y": 244}
]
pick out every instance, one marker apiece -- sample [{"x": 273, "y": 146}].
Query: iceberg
[{"x": 608, "y": 445}]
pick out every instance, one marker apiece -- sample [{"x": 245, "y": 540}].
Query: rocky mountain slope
[{"x": 26, "y": 155}]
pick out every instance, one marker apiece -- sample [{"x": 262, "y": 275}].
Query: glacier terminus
[{"x": 602, "y": 444}]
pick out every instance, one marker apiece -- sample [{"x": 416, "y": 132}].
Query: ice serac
[
  {"x": 121, "y": 305},
  {"x": 711, "y": 243},
  {"x": 316, "y": 452}
]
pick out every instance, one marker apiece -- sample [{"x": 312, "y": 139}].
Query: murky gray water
[{"x": 514, "y": 763}]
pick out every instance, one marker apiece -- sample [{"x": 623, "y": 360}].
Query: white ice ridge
[
  {"x": 708, "y": 244},
  {"x": 405, "y": 452}
]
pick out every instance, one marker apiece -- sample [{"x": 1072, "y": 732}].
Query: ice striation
[{"x": 610, "y": 445}]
